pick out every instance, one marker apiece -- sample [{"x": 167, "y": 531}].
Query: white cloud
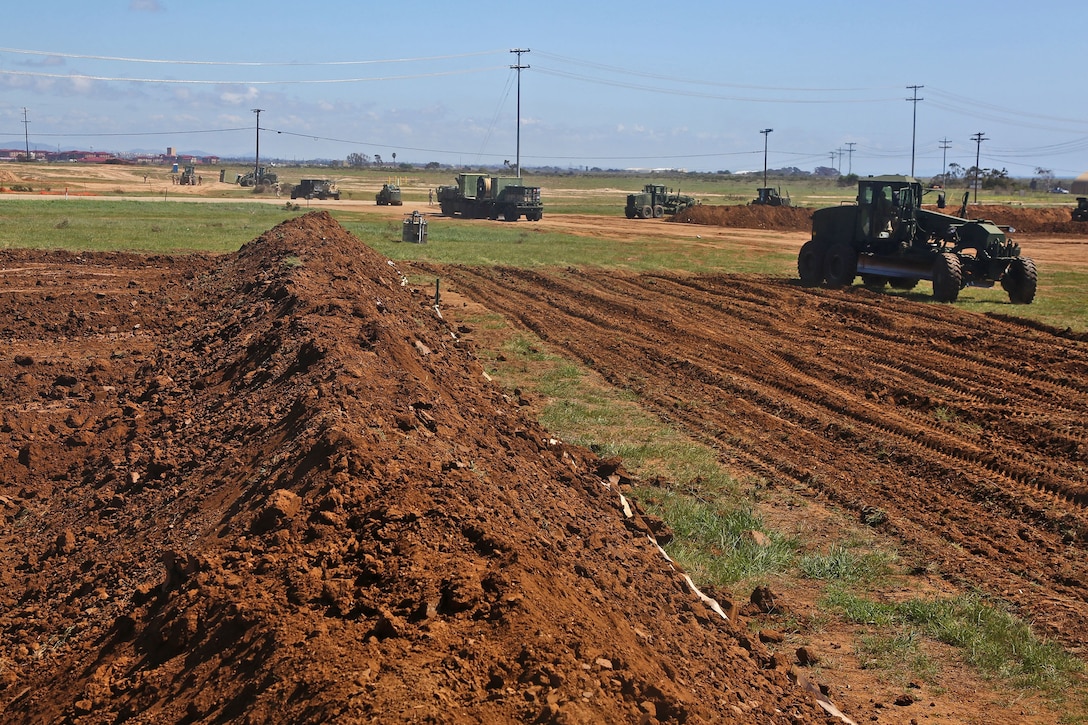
[{"x": 235, "y": 98}]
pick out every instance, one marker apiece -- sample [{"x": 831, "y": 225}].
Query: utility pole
[
  {"x": 832, "y": 159},
  {"x": 519, "y": 68},
  {"x": 840, "y": 151},
  {"x": 914, "y": 126},
  {"x": 766, "y": 134},
  {"x": 850, "y": 151},
  {"x": 26, "y": 134},
  {"x": 257, "y": 155},
  {"x": 945, "y": 145},
  {"x": 978, "y": 138}
]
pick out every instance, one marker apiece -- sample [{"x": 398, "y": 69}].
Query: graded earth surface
[{"x": 278, "y": 485}]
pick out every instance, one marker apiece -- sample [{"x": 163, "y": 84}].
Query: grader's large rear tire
[
  {"x": 947, "y": 277},
  {"x": 1020, "y": 281},
  {"x": 840, "y": 265},
  {"x": 810, "y": 262},
  {"x": 647, "y": 212},
  {"x": 903, "y": 282}
]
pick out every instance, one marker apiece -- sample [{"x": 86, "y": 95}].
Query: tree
[
  {"x": 378, "y": 160},
  {"x": 357, "y": 159}
]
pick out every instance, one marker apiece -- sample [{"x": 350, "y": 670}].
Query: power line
[
  {"x": 54, "y": 54},
  {"x": 193, "y": 81}
]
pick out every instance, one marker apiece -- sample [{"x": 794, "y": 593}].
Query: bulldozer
[
  {"x": 888, "y": 238},
  {"x": 770, "y": 196},
  {"x": 655, "y": 201}
]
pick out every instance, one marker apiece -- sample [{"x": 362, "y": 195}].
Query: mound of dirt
[
  {"x": 752, "y": 216},
  {"x": 1024, "y": 220},
  {"x": 1028, "y": 220},
  {"x": 277, "y": 487}
]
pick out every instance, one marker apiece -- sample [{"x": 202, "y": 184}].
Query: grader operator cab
[{"x": 888, "y": 238}]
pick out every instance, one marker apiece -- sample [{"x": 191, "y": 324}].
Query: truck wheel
[
  {"x": 840, "y": 265},
  {"x": 947, "y": 277},
  {"x": 658, "y": 212},
  {"x": 1020, "y": 281},
  {"x": 903, "y": 282},
  {"x": 810, "y": 263},
  {"x": 874, "y": 281},
  {"x": 510, "y": 214}
]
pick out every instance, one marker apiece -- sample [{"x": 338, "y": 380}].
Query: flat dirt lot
[{"x": 277, "y": 486}]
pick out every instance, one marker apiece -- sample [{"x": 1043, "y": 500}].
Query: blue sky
[{"x": 616, "y": 85}]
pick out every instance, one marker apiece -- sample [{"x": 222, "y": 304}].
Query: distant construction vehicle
[
  {"x": 655, "y": 201},
  {"x": 770, "y": 196},
  {"x": 481, "y": 196},
  {"x": 1080, "y": 212},
  {"x": 315, "y": 189},
  {"x": 262, "y": 177},
  {"x": 188, "y": 176},
  {"x": 388, "y": 195},
  {"x": 888, "y": 238}
]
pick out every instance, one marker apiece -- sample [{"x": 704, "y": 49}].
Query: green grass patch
[
  {"x": 138, "y": 226},
  {"x": 845, "y": 564},
  {"x": 713, "y": 536},
  {"x": 989, "y": 637}
]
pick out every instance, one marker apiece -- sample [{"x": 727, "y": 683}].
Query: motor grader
[
  {"x": 888, "y": 238},
  {"x": 655, "y": 201}
]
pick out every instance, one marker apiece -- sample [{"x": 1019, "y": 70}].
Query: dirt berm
[
  {"x": 1023, "y": 220},
  {"x": 275, "y": 486}
]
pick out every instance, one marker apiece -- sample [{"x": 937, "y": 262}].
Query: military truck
[
  {"x": 481, "y": 196},
  {"x": 887, "y": 237},
  {"x": 389, "y": 195},
  {"x": 315, "y": 189},
  {"x": 770, "y": 196},
  {"x": 655, "y": 201},
  {"x": 1080, "y": 212}
]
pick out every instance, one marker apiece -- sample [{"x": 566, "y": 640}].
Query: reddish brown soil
[
  {"x": 1024, "y": 220},
  {"x": 960, "y": 435},
  {"x": 276, "y": 487}
]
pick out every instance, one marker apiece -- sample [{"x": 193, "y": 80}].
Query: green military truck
[
  {"x": 315, "y": 189},
  {"x": 482, "y": 196},
  {"x": 388, "y": 195}
]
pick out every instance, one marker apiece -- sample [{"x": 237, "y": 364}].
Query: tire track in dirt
[{"x": 964, "y": 429}]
